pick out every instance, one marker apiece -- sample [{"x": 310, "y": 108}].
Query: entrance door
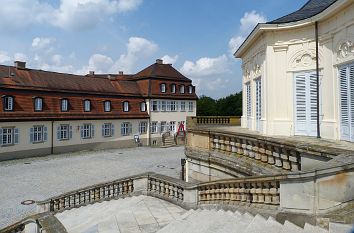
[
  {"x": 305, "y": 104},
  {"x": 258, "y": 104},
  {"x": 346, "y": 85}
]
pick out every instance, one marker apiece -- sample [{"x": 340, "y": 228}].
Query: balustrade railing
[
  {"x": 272, "y": 153},
  {"x": 164, "y": 188},
  {"x": 93, "y": 194},
  {"x": 213, "y": 120}
]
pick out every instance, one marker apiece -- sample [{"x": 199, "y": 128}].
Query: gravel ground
[{"x": 41, "y": 178}]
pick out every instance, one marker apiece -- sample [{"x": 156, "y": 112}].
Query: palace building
[
  {"x": 44, "y": 112},
  {"x": 282, "y": 60}
]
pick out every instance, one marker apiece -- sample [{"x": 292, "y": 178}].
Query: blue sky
[{"x": 76, "y": 36}]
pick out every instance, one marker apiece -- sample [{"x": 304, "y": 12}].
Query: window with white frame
[
  {"x": 181, "y": 89},
  {"x": 163, "y": 87},
  {"x": 173, "y": 88},
  {"x": 163, "y": 126},
  {"x": 154, "y": 106},
  {"x": 183, "y": 106},
  {"x": 172, "y": 126},
  {"x": 64, "y": 105},
  {"x": 38, "y": 134},
  {"x": 173, "y": 106},
  {"x": 126, "y": 128},
  {"x": 168, "y": 106},
  {"x": 190, "y": 89},
  {"x": 38, "y": 104},
  {"x": 154, "y": 127},
  {"x": 142, "y": 107},
  {"x": 163, "y": 106},
  {"x": 190, "y": 106},
  {"x": 107, "y": 106},
  {"x": 87, "y": 105},
  {"x": 125, "y": 106},
  {"x": 87, "y": 131},
  {"x": 107, "y": 130},
  {"x": 8, "y": 136},
  {"x": 8, "y": 103},
  {"x": 142, "y": 127},
  {"x": 63, "y": 132}
]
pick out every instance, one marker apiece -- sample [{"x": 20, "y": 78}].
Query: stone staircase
[
  {"x": 169, "y": 141},
  {"x": 220, "y": 221}
]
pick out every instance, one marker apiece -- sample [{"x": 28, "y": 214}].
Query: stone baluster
[
  {"x": 243, "y": 192},
  {"x": 253, "y": 193},
  {"x": 233, "y": 145},
  {"x": 247, "y": 192},
  {"x": 294, "y": 160},
  {"x": 285, "y": 157},
  {"x": 211, "y": 142},
  {"x": 266, "y": 193},
  {"x": 255, "y": 149},
  {"x": 276, "y": 154},
  {"x": 274, "y": 191},
  {"x": 208, "y": 195},
  {"x": 262, "y": 152},
  {"x": 259, "y": 191},
  {"x": 238, "y": 144},
  {"x": 238, "y": 196},
  {"x": 231, "y": 193},
  {"x": 222, "y": 143},
  {"x": 227, "y": 144},
  {"x": 250, "y": 145},
  {"x": 244, "y": 147},
  {"x": 216, "y": 143},
  {"x": 269, "y": 153}
]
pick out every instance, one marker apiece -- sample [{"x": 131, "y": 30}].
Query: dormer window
[
  {"x": 163, "y": 87},
  {"x": 125, "y": 106},
  {"x": 38, "y": 104},
  {"x": 8, "y": 103},
  {"x": 87, "y": 105},
  {"x": 143, "y": 107},
  {"x": 181, "y": 89},
  {"x": 173, "y": 88},
  {"x": 64, "y": 105},
  {"x": 190, "y": 89},
  {"x": 107, "y": 106}
]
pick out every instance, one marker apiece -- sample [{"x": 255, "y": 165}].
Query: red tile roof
[{"x": 165, "y": 71}]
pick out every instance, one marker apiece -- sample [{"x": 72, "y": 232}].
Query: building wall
[
  {"x": 278, "y": 55},
  {"x": 25, "y": 148}
]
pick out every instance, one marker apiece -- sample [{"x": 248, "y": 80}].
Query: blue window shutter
[
  {"x": 102, "y": 130},
  {"x": 70, "y": 132},
  {"x": 112, "y": 129},
  {"x": 0, "y": 136},
  {"x": 16, "y": 136},
  {"x": 58, "y": 133},
  {"x": 82, "y": 131},
  {"x": 31, "y": 135},
  {"x": 92, "y": 131},
  {"x": 45, "y": 134}
]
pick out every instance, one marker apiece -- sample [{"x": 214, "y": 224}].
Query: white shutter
[
  {"x": 351, "y": 99},
  {"x": 312, "y": 111},
  {"x": 344, "y": 107},
  {"x": 258, "y": 103},
  {"x": 248, "y": 101},
  {"x": 16, "y": 135},
  {"x": 300, "y": 104}
]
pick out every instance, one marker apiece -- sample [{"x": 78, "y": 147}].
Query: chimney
[
  {"x": 20, "y": 65},
  {"x": 159, "y": 61},
  {"x": 92, "y": 73},
  {"x": 111, "y": 77},
  {"x": 121, "y": 72}
]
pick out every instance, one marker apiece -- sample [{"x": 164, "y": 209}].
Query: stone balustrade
[
  {"x": 213, "y": 120},
  {"x": 164, "y": 188},
  {"x": 244, "y": 191},
  {"x": 278, "y": 155}
]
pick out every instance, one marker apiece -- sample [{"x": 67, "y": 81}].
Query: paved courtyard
[{"x": 41, "y": 178}]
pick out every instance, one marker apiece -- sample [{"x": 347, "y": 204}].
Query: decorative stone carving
[
  {"x": 345, "y": 49},
  {"x": 305, "y": 58}
]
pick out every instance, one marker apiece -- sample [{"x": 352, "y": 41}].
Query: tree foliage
[{"x": 227, "y": 106}]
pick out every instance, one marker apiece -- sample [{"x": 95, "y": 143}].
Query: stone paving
[{"x": 41, "y": 178}]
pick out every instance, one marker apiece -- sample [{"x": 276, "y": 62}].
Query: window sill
[
  {"x": 7, "y": 145},
  {"x": 64, "y": 139},
  {"x": 107, "y": 136},
  {"x": 38, "y": 142}
]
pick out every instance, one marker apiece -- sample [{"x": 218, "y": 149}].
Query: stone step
[
  {"x": 289, "y": 227},
  {"x": 308, "y": 228}
]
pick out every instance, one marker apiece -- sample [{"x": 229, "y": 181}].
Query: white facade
[{"x": 279, "y": 76}]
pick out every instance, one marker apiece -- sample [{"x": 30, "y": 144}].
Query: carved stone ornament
[
  {"x": 257, "y": 69},
  {"x": 303, "y": 59},
  {"x": 345, "y": 49}
]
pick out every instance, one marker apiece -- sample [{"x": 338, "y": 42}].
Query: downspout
[
  {"x": 52, "y": 146},
  {"x": 317, "y": 82}
]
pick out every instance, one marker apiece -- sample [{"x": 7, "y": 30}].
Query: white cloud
[
  {"x": 169, "y": 60},
  {"x": 42, "y": 42},
  {"x": 20, "y": 57},
  {"x": 137, "y": 48},
  {"x": 69, "y": 14},
  {"x": 206, "y": 66},
  {"x": 247, "y": 23},
  {"x": 98, "y": 63},
  {"x": 4, "y": 57}
]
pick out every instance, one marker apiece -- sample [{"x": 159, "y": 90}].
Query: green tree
[
  {"x": 206, "y": 106},
  {"x": 227, "y": 106}
]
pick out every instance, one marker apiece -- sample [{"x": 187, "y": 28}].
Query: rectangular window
[
  {"x": 125, "y": 106},
  {"x": 190, "y": 107},
  {"x": 173, "y": 106},
  {"x": 63, "y": 132},
  {"x": 172, "y": 126},
  {"x": 38, "y": 104},
  {"x": 7, "y": 136},
  {"x": 107, "y": 106},
  {"x": 163, "y": 87},
  {"x": 87, "y": 131},
  {"x": 181, "y": 89},
  {"x": 87, "y": 105},
  {"x": 163, "y": 106},
  {"x": 126, "y": 128},
  {"x": 143, "y": 107},
  {"x": 64, "y": 105},
  {"x": 107, "y": 130},
  {"x": 190, "y": 89},
  {"x": 168, "y": 106},
  {"x": 8, "y": 103},
  {"x": 183, "y": 106},
  {"x": 163, "y": 126},
  {"x": 142, "y": 127},
  {"x": 173, "y": 88},
  {"x": 38, "y": 134},
  {"x": 154, "y": 106},
  {"x": 154, "y": 127}
]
